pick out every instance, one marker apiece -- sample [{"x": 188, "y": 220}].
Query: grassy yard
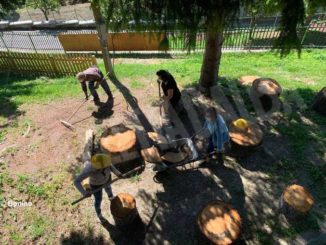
[
  {"x": 291, "y": 72},
  {"x": 302, "y": 130}
]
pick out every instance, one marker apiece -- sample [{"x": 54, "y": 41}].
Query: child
[
  {"x": 99, "y": 173},
  {"x": 219, "y": 133}
]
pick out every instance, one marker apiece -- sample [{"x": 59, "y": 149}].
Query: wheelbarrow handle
[{"x": 107, "y": 184}]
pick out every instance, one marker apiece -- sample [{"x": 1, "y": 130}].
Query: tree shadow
[
  {"x": 10, "y": 87},
  {"x": 131, "y": 234},
  {"x": 133, "y": 103},
  {"x": 77, "y": 237},
  {"x": 292, "y": 149},
  {"x": 184, "y": 194}
]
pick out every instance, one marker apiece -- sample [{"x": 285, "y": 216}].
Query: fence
[
  {"x": 312, "y": 36},
  {"x": 23, "y": 41},
  {"x": 140, "y": 41},
  {"x": 244, "y": 38},
  {"x": 45, "y": 64}
]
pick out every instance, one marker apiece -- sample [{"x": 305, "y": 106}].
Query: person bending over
[{"x": 94, "y": 77}]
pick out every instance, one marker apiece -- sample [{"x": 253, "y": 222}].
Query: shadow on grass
[
  {"x": 9, "y": 88},
  {"x": 293, "y": 149},
  {"x": 81, "y": 238},
  {"x": 184, "y": 194},
  {"x": 133, "y": 103},
  {"x": 12, "y": 85}
]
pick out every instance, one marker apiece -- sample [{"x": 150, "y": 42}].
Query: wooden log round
[
  {"x": 123, "y": 209},
  {"x": 319, "y": 103},
  {"x": 245, "y": 137},
  {"x": 219, "y": 222},
  {"x": 157, "y": 138},
  {"x": 296, "y": 202},
  {"x": 119, "y": 142},
  {"x": 151, "y": 155},
  {"x": 247, "y": 80},
  {"x": 267, "y": 90}
]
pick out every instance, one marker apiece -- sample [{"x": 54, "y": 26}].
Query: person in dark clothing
[
  {"x": 94, "y": 77},
  {"x": 172, "y": 94}
]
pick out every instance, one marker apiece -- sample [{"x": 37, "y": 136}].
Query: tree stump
[
  {"x": 296, "y": 202},
  {"x": 267, "y": 91},
  {"x": 219, "y": 222},
  {"x": 121, "y": 142},
  {"x": 245, "y": 137},
  {"x": 319, "y": 103},
  {"x": 123, "y": 209},
  {"x": 247, "y": 80}
]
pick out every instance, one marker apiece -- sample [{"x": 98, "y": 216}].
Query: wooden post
[
  {"x": 88, "y": 149},
  {"x": 94, "y": 62},
  {"x": 53, "y": 65},
  {"x": 103, "y": 36},
  {"x": 87, "y": 154}
]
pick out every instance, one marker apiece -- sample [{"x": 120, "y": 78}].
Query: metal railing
[{"x": 244, "y": 38}]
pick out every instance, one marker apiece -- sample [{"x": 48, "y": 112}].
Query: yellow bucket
[{"x": 241, "y": 123}]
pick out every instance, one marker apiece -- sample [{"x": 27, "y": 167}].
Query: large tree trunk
[
  {"x": 103, "y": 36},
  {"x": 211, "y": 62}
]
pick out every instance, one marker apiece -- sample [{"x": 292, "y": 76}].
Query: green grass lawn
[
  {"x": 306, "y": 75},
  {"x": 291, "y": 72}
]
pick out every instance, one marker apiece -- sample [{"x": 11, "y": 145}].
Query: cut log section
[
  {"x": 245, "y": 137},
  {"x": 267, "y": 90},
  {"x": 247, "y": 80},
  {"x": 89, "y": 145},
  {"x": 123, "y": 209},
  {"x": 174, "y": 157},
  {"x": 296, "y": 201},
  {"x": 319, "y": 103},
  {"x": 151, "y": 155},
  {"x": 119, "y": 142},
  {"x": 157, "y": 138},
  {"x": 219, "y": 222}
]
